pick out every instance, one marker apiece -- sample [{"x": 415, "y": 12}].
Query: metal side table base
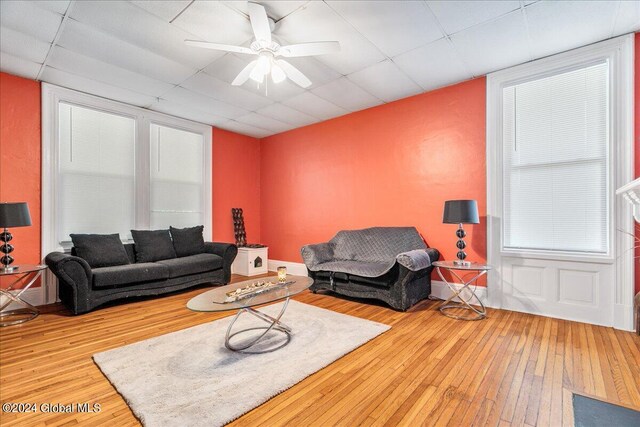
[
  {"x": 274, "y": 324},
  {"x": 27, "y": 276},
  {"x": 464, "y": 303}
]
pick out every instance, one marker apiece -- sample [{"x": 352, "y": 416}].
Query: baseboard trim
[
  {"x": 34, "y": 296},
  {"x": 295, "y": 268}
]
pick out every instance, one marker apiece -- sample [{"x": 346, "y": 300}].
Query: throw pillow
[
  {"x": 100, "y": 250},
  {"x": 188, "y": 241},
  {"x": 153, "y": 245}
]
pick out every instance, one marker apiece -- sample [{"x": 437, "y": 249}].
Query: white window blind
[
  {"x": 177, "y": 177},
  {"x": 96, "y": 172},
  {"x": 555, "y": 153}
]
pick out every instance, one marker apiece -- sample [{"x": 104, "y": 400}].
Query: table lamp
[
  {"x": 11, "y": 215},
  {"x": 461, "y": 212}
]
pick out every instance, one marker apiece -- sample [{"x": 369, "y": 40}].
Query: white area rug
[{"x": 188, "y": 378}]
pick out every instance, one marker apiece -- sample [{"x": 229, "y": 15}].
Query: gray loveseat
[
  {"x": 392, "y": 264},
  {"x": 82, "y": 288}
]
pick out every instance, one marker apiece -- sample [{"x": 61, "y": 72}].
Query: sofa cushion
[
  {"x": 192, "y": 264},
  {"x": 129, "y": 274},
  {"x": 153, "y": 245},
  {"x": 100, "y": 250},
  {"x": 188, "y": 241},
  {"x": 360, "y": 268}
]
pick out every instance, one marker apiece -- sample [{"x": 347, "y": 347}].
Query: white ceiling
[{"x": 134, "y": 52}]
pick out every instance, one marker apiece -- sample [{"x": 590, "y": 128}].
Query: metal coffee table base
[{"x": 274, "y": 324}]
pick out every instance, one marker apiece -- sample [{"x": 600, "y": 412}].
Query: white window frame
[
  {"x": 619, "y": 52},
  {"x": 51, "y": 97}
]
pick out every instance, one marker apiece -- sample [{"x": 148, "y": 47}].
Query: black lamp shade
[
  {"x": 460, "y": 212},
  {"x": 14, "y": 215}
]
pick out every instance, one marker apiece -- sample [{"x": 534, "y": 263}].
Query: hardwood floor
[{"x": 510, "y": 369}]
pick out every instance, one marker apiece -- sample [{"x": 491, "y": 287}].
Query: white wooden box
[{"x": 251, "y": 261}]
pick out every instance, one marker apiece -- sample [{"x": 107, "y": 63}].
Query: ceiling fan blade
[
  {"x": 243, "y": 76},
  {"x": 259, "y": 22},
  {"x": 309, "y": 49},
  {"x": 294, "y": 74},
  {"x": 218, "y": 46}
]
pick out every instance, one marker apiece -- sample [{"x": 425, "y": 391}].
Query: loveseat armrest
[
  {"x": 418, "y": 259},
  {"x": 74, "y": 276},
  {"x": 313, "y": 255}
]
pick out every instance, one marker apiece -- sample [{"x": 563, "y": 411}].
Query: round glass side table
[
  {"x": 466, "y": 297},
  {"x": 25, "y": 276}
]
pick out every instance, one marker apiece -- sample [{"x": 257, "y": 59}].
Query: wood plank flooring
[{"x": 510, "y": 369}]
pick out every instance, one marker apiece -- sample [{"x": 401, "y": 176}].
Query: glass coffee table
[{"x": 214, "y": 300}]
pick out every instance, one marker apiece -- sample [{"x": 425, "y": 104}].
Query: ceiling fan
[{"x": 269, "y": 52}]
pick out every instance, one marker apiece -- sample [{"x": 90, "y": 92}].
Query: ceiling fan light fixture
[{"x": 269, "y": 52}]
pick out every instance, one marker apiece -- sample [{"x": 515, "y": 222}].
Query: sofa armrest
[
  {"x": 72, "y": 269},
  {"x": 313, "y": 255},
  {"x": 74, "y": 276},
  {"x": 227, "y": 251},
  {"x": 418, "y": 259}
]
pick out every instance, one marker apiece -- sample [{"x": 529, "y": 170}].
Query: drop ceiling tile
[
  {"x": 434, "y": 65},
  {"x": 262, "y": 122},
  {"x": 385, "y": 81},
  {"x": 245, "y": 129},
  {"x": 318, "y": 22},
  {"x": 66, "y": 60},
  {"x": 72, "y": 81},
  {"x": 495, "y": 45},
  {"x": 164, "y": 9},
  {"x": 287, "y": 115},
  {"x": 18, "y": 66},
  {"x": 200, "y": 102},
  {"x": 558, "y": 26},
  {"x": 393, "y": 26},
  {"x": 208, "y": 85},
  {"x": 628, "y": 18},
  {"x": 214, "y": 22},
  {"x": 149, "y": 32},
  {"x": 184, "y": 111},
  {"x": 346, "y": 94},
  {"x": 315, "y": 106},
  {"x": 57, "y": 6},
  {"x": 228, "y": 67},
  {"x": 455, "y": 16},
  {"x": 88, "y": 41},
  {"x": 22, "y": 45},
  {"x": 276, "y": 10},
  {"x": 27, "y": 18}
]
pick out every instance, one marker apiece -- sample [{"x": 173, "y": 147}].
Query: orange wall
[
  {"x": 236, "y": 184},
  {"x": 20, "y": 150},
  {"x": 391, "y": 165}
]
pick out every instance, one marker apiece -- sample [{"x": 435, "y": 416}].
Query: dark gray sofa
[
  {"x": 82, "y": 288},
  {"x": 391, "y": 264}
]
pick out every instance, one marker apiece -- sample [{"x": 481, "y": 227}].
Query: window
[
  {"x": 177, "y": 177},
  {"x": 555, "y": 153},
  {"x": 110, "y": 168},
  {"x": 97, "y": 172}
]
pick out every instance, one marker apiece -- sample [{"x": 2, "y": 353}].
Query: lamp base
[
  {"x": 8, "y": 269},
  {"x": 462, "y": 263}
]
